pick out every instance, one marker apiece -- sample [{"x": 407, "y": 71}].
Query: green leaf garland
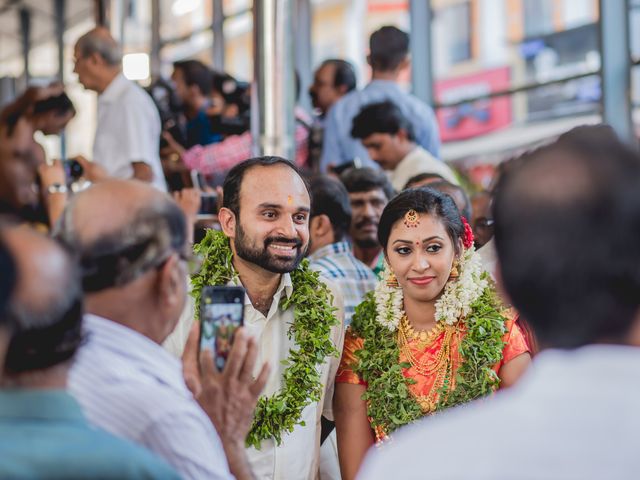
[
  {"x": 314, "y": 316},
  {"x": 390, "y": 404}
]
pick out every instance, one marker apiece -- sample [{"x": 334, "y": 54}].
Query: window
[
  {"x": 538, "y": 17},
  {"x": 457, "y": 25}
]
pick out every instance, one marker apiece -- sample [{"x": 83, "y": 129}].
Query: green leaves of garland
[
  {"x": 314, "y": 316},
  {"x": 481, "y": 349},
  {"x": 390, "y": 404}
]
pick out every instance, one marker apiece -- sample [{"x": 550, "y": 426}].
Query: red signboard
[{"x": 477, "y": 117}]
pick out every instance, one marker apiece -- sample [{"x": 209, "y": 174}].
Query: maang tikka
[{"x": 412, "y": 219}]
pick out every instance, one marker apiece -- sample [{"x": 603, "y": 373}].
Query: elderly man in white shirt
[
  {"x": 266, "y": 219},
  {"x": 567, "y": 233},
  {"x": 126, "y": 143},
  {"x": 131, "y": 240}
]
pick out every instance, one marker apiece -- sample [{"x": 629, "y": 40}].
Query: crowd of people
[{"x": 395, "y": 324}]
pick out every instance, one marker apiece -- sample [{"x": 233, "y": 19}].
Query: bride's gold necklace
[{"x": 440, "y": 367}]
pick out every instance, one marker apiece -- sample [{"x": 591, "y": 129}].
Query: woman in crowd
[{"x": 433, "y": 334}]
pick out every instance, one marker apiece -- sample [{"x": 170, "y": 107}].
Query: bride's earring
[{"x": 454, "y": 270}]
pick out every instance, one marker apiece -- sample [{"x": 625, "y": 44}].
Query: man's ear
[
  {"x": 96, "y": 59},
  {"x": 402, "y": 135},
  {"x": 169, "y": 279},
  {"x": 405, "y": 63},
  {"x": 227, "y": 220},
  {"x": 320, "y": 226},
  {"x": 194, "y": 90}
]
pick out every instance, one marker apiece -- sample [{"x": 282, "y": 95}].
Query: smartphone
[{"x": 221, "y": 314}]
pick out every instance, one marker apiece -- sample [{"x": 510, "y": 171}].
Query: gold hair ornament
[{"x": 412, "y": 219}]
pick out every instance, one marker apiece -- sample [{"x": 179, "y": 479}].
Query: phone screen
[{"x": 221, "y": 314}]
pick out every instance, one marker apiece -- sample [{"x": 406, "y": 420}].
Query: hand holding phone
[{"x": 221, "y": 314}]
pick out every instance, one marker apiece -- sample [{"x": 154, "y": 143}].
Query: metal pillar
[
  {"x": 272, "y": 120},
  {"x": 218, "y": 36},
  {"x": 60, "y": 12},
  {"x": 421, "y": 64},
  {"x": 616, "y": 67},
  {"x": 25, "y": 35},
  {"x": 103, "y": 12},
  {"x": 154, "y": 57},
  {"x": 60, "y": 16},
  {"x": 302, "y": 50}
]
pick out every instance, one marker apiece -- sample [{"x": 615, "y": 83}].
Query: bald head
[
  {"x": 45, "y": 270},
  {"x": 567, "y": 232},
  {"x": 46, "y": 306},
  {"x": 121, "y": 228},
  {"x": 100, "y": 41},
  {"x": 109, "y": 207}
]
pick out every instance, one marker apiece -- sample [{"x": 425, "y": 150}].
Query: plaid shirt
[
  {"x": 354, "y": 279},
  {"x": 219, "y": 158}
]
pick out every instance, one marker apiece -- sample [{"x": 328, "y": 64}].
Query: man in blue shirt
[
  {"x": 45, "y": 433},
  {"x": 193, "y": 81},
  {"x": 389, "y": 50}
]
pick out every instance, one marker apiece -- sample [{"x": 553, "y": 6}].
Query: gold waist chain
[{"x": 440, "y": 367}]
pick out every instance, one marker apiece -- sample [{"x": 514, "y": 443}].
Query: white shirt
[
  {"x": 416, "y": 162},
  {"x": 297, "y": 457},
  {"x": 574, "y": 415},
  {"x": 128, "y": 130},
  {"x": 131, "y": 387}
]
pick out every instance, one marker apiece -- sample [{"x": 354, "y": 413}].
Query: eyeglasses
[{"x": 483, "y": 222}]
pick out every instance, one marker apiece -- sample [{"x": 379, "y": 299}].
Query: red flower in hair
[{"x": 467, "y": 241}]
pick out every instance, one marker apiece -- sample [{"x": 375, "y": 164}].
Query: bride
[{"x": 433, "y": 334}]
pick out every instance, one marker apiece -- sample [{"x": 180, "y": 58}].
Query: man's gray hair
[{"x": 103, "y": 45}]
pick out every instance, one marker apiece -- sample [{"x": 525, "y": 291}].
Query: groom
[{"x": 291, "y": 314}]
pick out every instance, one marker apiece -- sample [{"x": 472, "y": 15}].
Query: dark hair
[
  {"x": 46, "y": 333},
  {"x": 388, "y": 47},
  {"x": 119, "y": 257},
  {"x": 366, "y": 179},
  {"x": 567, "y": 233},
  {"x": 600, "y": 131},
  {"x": 330, "y": 198},
  {"x": 422, "y": 200},
  {"x": 60, "y": 104},
  {"x": 233, "y": 180},
  {"x": 382, "y": 117},
  {"x": 343, "y": 73},
  {"x": 196, "y": 73},
  {"x": 421, "y": 177},
  {"x": 7, "y": 279},
  {"x": 449, "y": 188}
]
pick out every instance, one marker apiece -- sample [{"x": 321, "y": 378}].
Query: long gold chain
[{"x": 441, "y": 366}]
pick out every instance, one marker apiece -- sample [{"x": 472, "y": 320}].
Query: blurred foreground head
[
  {"x": 567, "y": 233},
  {"x": 131, "y": 242},
  {"x": 44, "y": 311}
]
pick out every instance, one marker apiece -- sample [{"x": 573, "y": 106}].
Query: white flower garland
[
  {"x": 454, "y": 304},
  {"x": 389, "y": 301}
]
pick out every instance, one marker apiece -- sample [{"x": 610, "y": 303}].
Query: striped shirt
[
  {"x": 130, "y": 386},
  {"x": 352, "y": 277}
]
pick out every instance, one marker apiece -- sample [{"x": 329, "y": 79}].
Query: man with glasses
[
  {"x": 126, "y": 143},
  {"x": 131, "y": 240}
]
